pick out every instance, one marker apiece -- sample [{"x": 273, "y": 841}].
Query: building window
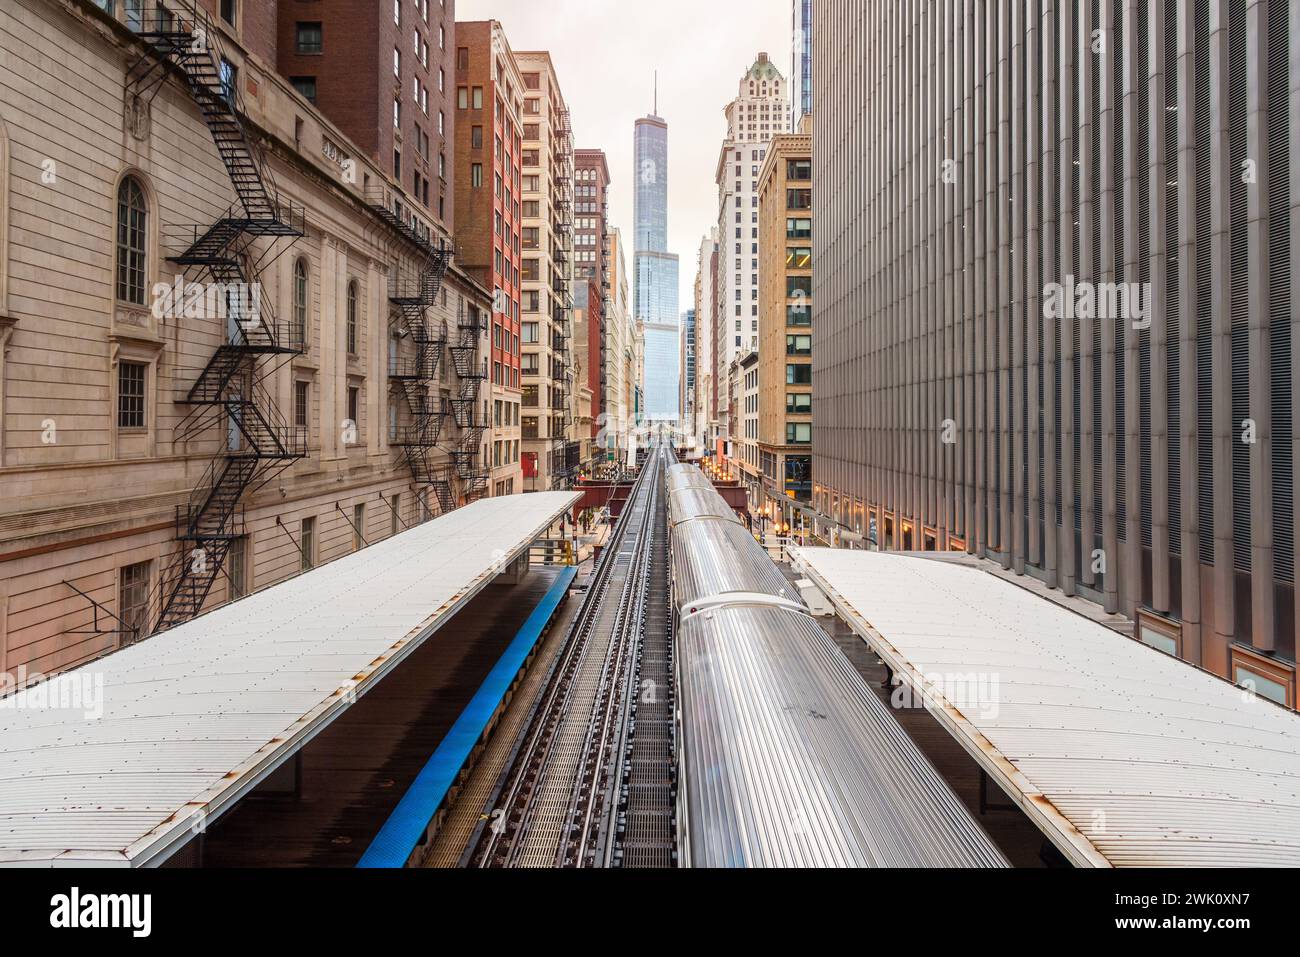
[
  {"x": 133, "y": 600},
  {"x": 798, "y": 345},
  {"x": 799, "y": 169},
  {"x": 308, "y": 37},
  {"x": 352, "y": 318},
  {"x": 301, "y": 404},
  {"x": 798, "y": 314},
  {"x": 798, "y": 403},
  {"x": 300, "y": 300},
  {"x": 237, "y": 568},
  {"x": 1268, "y": 678},
  {"x": 358, "y": 527},
  {"x": 395, "y": 521},
  {"x": 306, "y": 86},
  {"x": 130, "y": 395},
  {"x": 798, "y": 375},
  {"x": 132, "y": 235},
  {"x": 227, "y": 11},
  {"x": 798, "y": 287},
  {"x": 798, "y": 229},
  {"x": 307, "y": 544},
  {"x": 798, "y": 257},
  {"x": 354, "y": 407},
  {"x": 798, "y": 433}
]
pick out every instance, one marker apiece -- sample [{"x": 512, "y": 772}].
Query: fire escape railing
[
  {"x": 180, "y": 38},
  {"x": 417, "y": 377}
]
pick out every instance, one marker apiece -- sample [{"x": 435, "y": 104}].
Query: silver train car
[{"x": 786, "y": 757}]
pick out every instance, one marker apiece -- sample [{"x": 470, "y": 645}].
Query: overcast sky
[{"x": 606, "y": 52}]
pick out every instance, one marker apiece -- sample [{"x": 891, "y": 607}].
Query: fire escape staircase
[
  {"x": 474, "y": 474},
  {"x": 416, "y": 377},
  {"x": 180, "y": 37}
]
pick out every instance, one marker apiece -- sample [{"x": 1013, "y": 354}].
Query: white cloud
[{"x": 606, "y": 53}]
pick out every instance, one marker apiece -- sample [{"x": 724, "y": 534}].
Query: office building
[{"x": 1054, "y": 305}]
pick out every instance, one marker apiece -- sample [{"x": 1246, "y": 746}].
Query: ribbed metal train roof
[
  {"x": 712, "y": 557},
  {"x": 686, "y": 476},
  {"x": 1123, "y": 755},
  {"x": 688, "y": 503},
  {"x": 794, "y": 762},
  {"x": 195, "y": 717}
]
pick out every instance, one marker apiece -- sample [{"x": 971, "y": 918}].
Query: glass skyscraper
[{"x": 656, "y": 294}]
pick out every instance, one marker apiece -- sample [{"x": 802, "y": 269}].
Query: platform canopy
[
  {"x": 1121, "y": 754},
  {"x": 194, "y": 718}
]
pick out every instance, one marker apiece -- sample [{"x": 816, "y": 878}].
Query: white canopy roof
[
  {"x": 1123, "y": 755},
  {"x": 192, "y": 719}
]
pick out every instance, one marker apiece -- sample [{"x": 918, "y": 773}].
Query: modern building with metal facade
[
  {"x": 991, "y": 183},
  {"x": 801, "y": 96}
]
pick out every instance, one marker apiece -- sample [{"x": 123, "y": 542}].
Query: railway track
[{"x": 591, "y": 782}]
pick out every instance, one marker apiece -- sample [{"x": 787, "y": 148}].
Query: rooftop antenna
[{"x": 656, "y": 113}]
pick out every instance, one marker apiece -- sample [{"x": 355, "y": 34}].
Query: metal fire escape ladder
[
  {"x": 179, "y": 36},
  {"x": 416, "y": 377},
  {"x": 471, "y": 369}
]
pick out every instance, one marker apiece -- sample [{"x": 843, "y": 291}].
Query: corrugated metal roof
[
  {"x": 1123, "y": 755},
  {"x": 195, "y": 717}
]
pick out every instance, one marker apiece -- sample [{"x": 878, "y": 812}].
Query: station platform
[
  {"x": 193, "y": 720},
  {"x": 405, "y": 743},
  {"x": 1120, "y": 754}
]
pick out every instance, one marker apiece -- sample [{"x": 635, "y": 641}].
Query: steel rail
[{"x": 531, "y": 757}]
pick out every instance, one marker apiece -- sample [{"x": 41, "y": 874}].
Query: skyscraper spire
[{"x": 656, "y": 110}]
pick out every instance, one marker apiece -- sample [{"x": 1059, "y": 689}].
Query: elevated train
[{"x": 786, "y": 757}]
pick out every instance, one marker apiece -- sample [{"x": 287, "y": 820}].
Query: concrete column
[
  {"x": 1019, "y": 257},
  {"x": 1033, "y": 243},
  {"x": 1187, "y": 364},
  {"x": 1111, "y": 176},
  {"x": 1224, "y": 598},
  {"x": 1263, "y": 634},
  {"x": 1051, "y": 273},
  {"x": 1159, "y": 173}
]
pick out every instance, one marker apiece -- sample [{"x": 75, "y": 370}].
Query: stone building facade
[{"x": 107, "y": 436}]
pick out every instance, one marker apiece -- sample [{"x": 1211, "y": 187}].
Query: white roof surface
[
  {"x": 1123, "y": 755},
  {"x": 195, "y": 717}
]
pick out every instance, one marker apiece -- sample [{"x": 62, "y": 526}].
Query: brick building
[
  {"x": 591, "y": 262},
  {"x": 488, "y": 178},
  {"x": 384, "y": 76}
]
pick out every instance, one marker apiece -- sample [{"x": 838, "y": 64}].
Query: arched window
[
  {"x": 300, "y": 301},
  {"x": 132, "y": 237},
  {"x": 352, "y": 318}
]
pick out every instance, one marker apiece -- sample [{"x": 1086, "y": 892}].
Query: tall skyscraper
[
  {"x": 801, "y": 62},
  {"x": 760, "y": 111},
  {"x": 656, "y": 293},
  {"x": 1090, "y": 378}
]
